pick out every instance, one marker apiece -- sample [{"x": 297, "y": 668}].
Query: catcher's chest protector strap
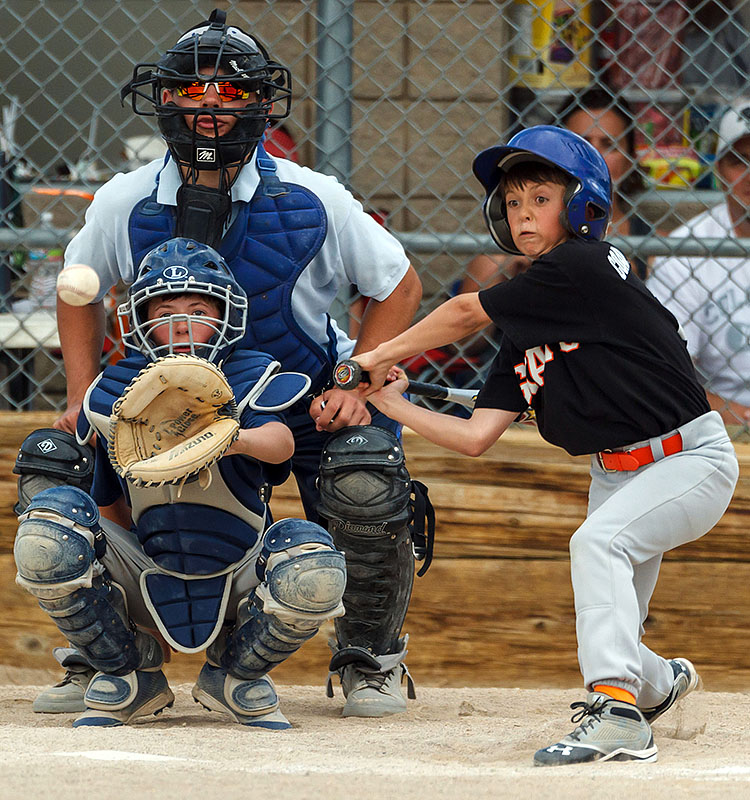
[{"x": 268, "y": 246}]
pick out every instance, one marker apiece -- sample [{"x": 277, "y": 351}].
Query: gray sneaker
[
  {"x": 371, "y": 684},
  {"x": 66, "y": 697},
  {"x": 113, "y": 700},
  {"x": 608, "y": 730},
  {"x": 686, "y": 679},
  {"x": 250, "y": 702}
]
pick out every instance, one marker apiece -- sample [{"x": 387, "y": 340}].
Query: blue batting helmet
[
  {"x": 588, "y": 197},
  {"x": 183, "y": 266}
]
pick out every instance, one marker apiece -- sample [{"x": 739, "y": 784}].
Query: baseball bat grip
[{"x": 348, "y": 374}]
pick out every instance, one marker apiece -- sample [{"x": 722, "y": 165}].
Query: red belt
[{"x": 629, "y": 460}]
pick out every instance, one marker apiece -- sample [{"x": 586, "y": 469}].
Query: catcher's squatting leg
[
  {"x": 57, "y": 550},
  {"x": 49, "y": 457},
  {"x": 366, "y": 495},
  {"x": 303, "y": 579}
]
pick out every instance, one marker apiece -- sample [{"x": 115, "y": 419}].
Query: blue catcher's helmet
[
  {"x": 177, "y": 267},
  {"x": 588, "y": 197}
]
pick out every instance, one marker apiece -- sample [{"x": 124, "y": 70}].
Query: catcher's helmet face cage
[
  {"x": 179, "y": 267},
  {"x": 208, "y": 52},
  {"x": 588, "y": 196}
]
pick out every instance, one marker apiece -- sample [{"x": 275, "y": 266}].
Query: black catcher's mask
[{"x": 209, "y": 52}]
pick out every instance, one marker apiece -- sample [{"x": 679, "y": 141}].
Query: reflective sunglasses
[{"x": 227, "y": 90}]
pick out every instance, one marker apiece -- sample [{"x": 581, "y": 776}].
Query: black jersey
[{"x": 591, "y": 350}]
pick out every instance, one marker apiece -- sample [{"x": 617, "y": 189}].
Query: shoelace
[
  {"x": 587, "y": 716},
  {"x": 71, "y": 675},
  {"x": 375, "y": 680}
]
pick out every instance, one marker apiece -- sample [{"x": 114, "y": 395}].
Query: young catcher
[
  {"x": 151, "y": 548},
  {"x": 605, "y": 369}
]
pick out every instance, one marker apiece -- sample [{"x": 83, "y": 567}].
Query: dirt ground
[{"x": 452, "y": 743}]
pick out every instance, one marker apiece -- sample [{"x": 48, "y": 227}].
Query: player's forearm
[
  {"x": 470, "y": 437},
  {"x": 387, "y": 318},
  {"x": 458, "y": 317},
  {"x": 81, "y": 330},
  {"x": 272, "y": 443}
]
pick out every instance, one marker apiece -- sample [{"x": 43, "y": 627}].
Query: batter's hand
[
  {"x": 377, "y": 369},
  {"x": 396, "y": 384},
  {"x": 336, "y": 409}
]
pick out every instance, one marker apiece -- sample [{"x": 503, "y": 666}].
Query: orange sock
[{"x": 623, "y": 695}]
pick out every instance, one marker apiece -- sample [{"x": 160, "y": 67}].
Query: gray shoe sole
[{"x": 679, "y": 691}]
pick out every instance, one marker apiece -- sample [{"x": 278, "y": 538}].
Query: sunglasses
[{"x": 227, "y": 90}]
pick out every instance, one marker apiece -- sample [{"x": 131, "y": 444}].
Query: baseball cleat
[
  {"x": 66, "y": 697},
  {"x": 608, "y": 730},
  {"x": 253, "y": 703},
  {"x": 114, "y": 700},
  {"x": 686, "y": 679},
  {"x": 372, "y": 694}
]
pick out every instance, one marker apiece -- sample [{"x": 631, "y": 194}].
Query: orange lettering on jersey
[
  {"x": 531, "y": 371},
  {"x": 528, "y": 388},
  {"x": 536, "y": 358}
]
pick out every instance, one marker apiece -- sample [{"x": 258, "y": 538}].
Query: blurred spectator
[
  {"x": 608, "y": 123},
  {"x": 708, "y": 295}
]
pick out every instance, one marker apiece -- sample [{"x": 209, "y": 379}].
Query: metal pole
[{"x": 334, "y": 87}]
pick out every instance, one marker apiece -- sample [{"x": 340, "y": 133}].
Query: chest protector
[
  {"x": 197, "y": 539},
  {"x": 269, "y": 244}
]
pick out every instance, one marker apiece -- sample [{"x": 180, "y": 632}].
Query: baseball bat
[{"x": 348, "y": 374}]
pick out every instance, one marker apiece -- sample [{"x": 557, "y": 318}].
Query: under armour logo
[
  {"x": 357, "y": 440},
  {"x": 175, "y": 273},
  {"x": 556, "y": 748},
  {"x": 205, "y": 155},
  {"x": 47, "y": 446}
]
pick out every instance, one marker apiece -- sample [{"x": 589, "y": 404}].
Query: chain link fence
[{"x": 395, "y": 98}]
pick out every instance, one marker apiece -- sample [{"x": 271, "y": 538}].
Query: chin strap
[{"x": 202, "y": 212}]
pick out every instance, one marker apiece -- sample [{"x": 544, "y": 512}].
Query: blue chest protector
[
  {"x": 269, "y": 244},
  {"x": 195, "y": 545}
]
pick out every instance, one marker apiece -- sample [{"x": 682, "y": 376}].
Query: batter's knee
[{"x": 56, "y": 544}]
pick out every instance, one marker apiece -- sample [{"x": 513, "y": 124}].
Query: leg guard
[
  {"x": 365, "y": 492},
  {"x": 304, "y": 579},
  {"x": 58, "y": 541},
  {"x": 48, "y": 458}
]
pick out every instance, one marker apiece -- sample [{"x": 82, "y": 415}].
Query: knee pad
[
  {"x": 304, "y": 580},
  {"x": 57, "y": 543},
  {"x": 57, "y": 547},
  {"x": 366, "y": 495},
  {"x": 305, "y": 575},
  {"x": 364, "y": 485}
]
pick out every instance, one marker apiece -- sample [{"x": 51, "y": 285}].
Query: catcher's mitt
[{"x": 174, "y": 419}]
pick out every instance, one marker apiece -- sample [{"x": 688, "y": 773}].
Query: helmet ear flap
[{"x": 496, "y": 218}]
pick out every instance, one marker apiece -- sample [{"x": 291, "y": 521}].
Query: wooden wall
[{"x": 496, "y": 606}]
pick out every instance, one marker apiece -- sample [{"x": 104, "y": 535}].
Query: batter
[{"x": 605, "y": 369}]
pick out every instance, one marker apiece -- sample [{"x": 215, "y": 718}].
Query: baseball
[{"x": 77, "y": 285}]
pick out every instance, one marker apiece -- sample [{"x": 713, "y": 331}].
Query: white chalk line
[{"x": 388, "y": 767}]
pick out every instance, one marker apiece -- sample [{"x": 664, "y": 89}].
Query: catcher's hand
[{"x": 175, "y": 418}]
